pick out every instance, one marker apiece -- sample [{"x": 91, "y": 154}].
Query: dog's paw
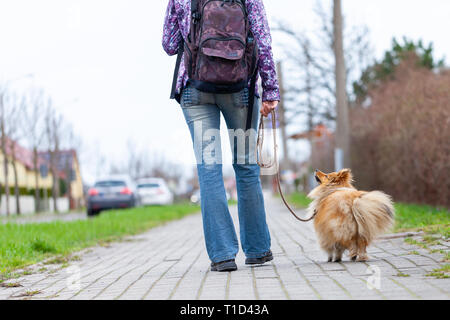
[{"x": 363, "y": 258}]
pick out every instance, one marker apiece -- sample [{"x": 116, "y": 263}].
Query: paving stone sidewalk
[{"x": 170, "y": 262}]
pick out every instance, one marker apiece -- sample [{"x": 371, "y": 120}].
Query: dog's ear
[
  {"x": 319, "y": 175},
  {"x": 344, "y": 175}
]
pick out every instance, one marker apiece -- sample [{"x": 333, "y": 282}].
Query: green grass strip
[
  {"x": 26, "y": 244},
  {"x": 299, "y": 199},
  {"x": 408, "y": 216},
  {"x": 427, "y": 218}
]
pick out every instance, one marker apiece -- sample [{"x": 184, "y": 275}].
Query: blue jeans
[{"x": 202, "y": 112}]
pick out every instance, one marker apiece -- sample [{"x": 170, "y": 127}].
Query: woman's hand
[{"x": 267, "y": 107}]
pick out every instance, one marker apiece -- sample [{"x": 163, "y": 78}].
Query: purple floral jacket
[{"x": 177, "y": 24}]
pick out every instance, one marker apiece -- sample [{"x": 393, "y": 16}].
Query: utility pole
[
  {"x": 342, "y": 150},
  {"x": 281, "y": 114}
]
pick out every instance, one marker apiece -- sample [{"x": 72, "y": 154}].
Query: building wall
[
  {"x": 26, "y": 179},
  {"x": 25, "y": 176},
  {"x": 27, "y": 205},
  {"x": 77, "y": 185}
]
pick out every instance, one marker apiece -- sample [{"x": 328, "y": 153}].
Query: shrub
[{"x": 400, "y": 143}]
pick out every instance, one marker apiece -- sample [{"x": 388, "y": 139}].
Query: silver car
[
  {"x": 154, "y": 191},
  {"x": 112, "y": 192},
  {"x": 196, "y": 198}
]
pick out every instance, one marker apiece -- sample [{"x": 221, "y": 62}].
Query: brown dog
[{"x": 348, "y": 219}]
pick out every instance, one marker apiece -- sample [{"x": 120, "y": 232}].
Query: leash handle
[{"x": 259, "y": 148}]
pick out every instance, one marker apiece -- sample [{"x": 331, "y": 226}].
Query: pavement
[
  {"x": 170, "y": 262},
  {"x": 44, "y": 217}
]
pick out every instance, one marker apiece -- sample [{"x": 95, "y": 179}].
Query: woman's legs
[
  {"x": 203, "y": 119},
  {"x": 254, "y": 232}
]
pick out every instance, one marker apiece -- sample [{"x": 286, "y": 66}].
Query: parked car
[
  {"x": 154, "y": 191},
  {"x": 195, "y": 197},
  {"x": 112, "y": 192}
]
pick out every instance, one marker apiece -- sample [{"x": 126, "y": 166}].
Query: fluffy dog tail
[{"x": 374, "y": 214}]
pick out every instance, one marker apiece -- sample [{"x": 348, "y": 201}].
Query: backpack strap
[
  {"x": 195, "y": 17},
  {"x": 194, "y": 7},
  {"x": 251, "y": 90},
  {"x": 251, "y": 99},
  {"x": 174, "y": 94}
]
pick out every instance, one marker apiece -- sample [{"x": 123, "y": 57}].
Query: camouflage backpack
[{"x": 220, "y": 53}]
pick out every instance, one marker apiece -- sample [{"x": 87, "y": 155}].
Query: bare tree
[
  {"x": 282, "y": 118},
  {"x": 309, "y": 68},
  {"x": 3, "y": 114},
  {"x": 54, "y": 125},
  {"x": 137, "y": 164},
  {"x": 13, "y": 133},
  {"x": 34, "y": 130},
  {"x": 10, "y": 117},
  {"x": 164, "y": 168},
  {"x": 142, "y": 164},
  {"x": 306, "y": 85},
  {"x": 321, "y": 67}
]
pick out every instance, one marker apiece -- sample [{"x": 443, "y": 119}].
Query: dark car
[{"x": 111, "y": 193}]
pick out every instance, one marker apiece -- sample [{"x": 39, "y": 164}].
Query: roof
[
  {"x": 23, "y": 155},
  {"x": 319, "y": 131},
  {"x": 65, "y": 160}
]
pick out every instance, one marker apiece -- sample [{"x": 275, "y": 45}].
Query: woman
[{"x": 202, "y": 113}]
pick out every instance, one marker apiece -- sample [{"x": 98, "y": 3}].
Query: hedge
[{"x": 23, "y": 191}]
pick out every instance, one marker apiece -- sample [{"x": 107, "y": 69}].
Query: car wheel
[{"x": 92, "y": 212}]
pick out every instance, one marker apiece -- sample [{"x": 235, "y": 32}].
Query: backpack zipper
[
  {"x": 217, "y": 39},
  {"x": 239, "y": 3},
  {"x": 221, "y": 39}
]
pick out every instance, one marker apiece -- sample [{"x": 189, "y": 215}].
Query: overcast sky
[{"x": 102, "y": 61}]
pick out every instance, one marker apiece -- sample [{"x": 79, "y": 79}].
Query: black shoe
[
  {"x": 224, "y": 266},
  {"x": 268, "y": 257}
]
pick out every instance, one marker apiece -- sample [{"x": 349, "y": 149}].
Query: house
[
  {"x": 21, "y": 163},
  {"x": 24, "y": 165},
  {"x": 322, "y": 143},
  {"x": 69, "y": 174}
]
